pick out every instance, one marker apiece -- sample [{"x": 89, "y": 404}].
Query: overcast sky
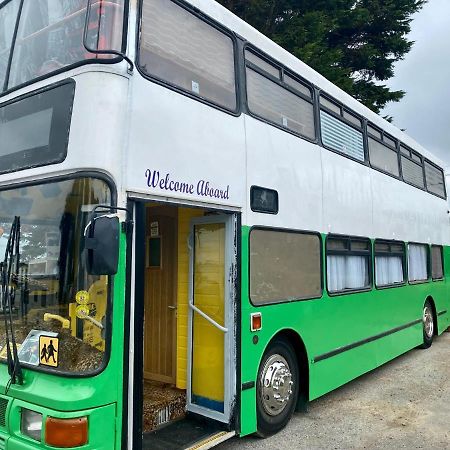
[{"x": 424, "y": 112}]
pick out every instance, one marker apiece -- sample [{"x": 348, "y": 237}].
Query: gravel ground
[{"x": 404, "y": 404}]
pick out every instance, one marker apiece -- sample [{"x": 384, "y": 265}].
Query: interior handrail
[{"x": 209, "y": 319}]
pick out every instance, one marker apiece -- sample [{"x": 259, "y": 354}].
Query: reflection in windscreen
[
  {"x": 50, "y": 35},
  {"x": 54, "y": 294},
  {"x": 8, "y": 14}
]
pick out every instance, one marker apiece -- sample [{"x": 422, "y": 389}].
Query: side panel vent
[{"x": 3, "y": 407}]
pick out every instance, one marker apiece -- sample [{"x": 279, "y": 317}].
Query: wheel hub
[
  {"x": 276, "y": 385},
  {"x": 428, "y": 321}
]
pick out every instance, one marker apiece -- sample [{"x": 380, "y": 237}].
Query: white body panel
[
  {"x": 292, "y": 166},
  {"x": 124, "y": 125},
  {"x": 98, "y": 128},
  {"x": 190, "y": 142}
]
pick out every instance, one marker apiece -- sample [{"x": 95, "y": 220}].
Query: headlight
[{"x": 31, "y": 424}]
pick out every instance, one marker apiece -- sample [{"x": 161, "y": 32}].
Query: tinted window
[
  {"x": 382, "y": 157},
  {"x": 374, "y": 132},
  {"x": 341, "y": 137},
  {"x": 263, "y": 200},
  {"x": 36, "y": 129},
  {"x": 284, "y": 266},
  {"x": 293, "y": 83},
  {"x": 262, "y": 64},
  {"x": 351, "y": 118},
  {"x": 390, "y": 141},
  {"x": 330, "y": 105},
  {"x": 185, "y": 51},
  {"x": 276, "y": 104},
  {"x": 435, "y": 179},
  {"x": 437, "y": 271}
]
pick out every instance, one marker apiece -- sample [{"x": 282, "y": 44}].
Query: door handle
[{"x": 172, "y": 307}]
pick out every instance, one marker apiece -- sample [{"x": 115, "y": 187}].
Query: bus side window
[
  {"x": 437, "y": 262},
  {"x": 284, "y": 266},
  {"x": 341, "y": 130},
  {"x": 418, "y": 262},
  {"x": 183, "y": 50},
  {"x": 389, "y": 263},
  {"x": 348, "y": 264}
]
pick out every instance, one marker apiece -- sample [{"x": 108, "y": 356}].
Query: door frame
[
  {"x": 134, "y": 324},
  {"x": 229, "y": 318}
]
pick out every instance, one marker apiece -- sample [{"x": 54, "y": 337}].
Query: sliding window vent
[{"x": 341, "y": 137}]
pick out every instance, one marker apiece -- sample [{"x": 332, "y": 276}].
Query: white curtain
[
  {"x": 417, "y": 262},
  {"x": 388, "y": 270},
  {"x": 347, "y": 272}
]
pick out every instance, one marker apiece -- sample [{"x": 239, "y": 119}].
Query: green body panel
[
  {"x": 101, "y": 427},
  {"x": 331, "y": 322},
  {"x": 99, "y": 396},
  {"x": 323, "y": 325}
]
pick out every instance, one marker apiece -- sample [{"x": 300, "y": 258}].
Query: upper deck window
[
  {"x": 435, "y": 179},
  {"x": 250, "y": 57},
  {"x": 8, "y": 17},
  {"x": 183, "y": 50},
  {"x": 383, "y": 152},
  {"x": 412, "y": 168},
  {"x": 50, "y": 36},
  {"x": 341, "y": 130},
  {"x": 278, "y": 97}
]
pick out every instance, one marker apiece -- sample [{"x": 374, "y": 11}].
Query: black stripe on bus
[
  {"x": 441, "y": 313},
  {"x": 345, "y": 348}
]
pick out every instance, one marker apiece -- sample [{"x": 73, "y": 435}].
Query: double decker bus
[{"x": 199, "y": 233}]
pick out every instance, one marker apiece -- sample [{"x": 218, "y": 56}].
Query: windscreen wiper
[{"x": 9, "y": 279}]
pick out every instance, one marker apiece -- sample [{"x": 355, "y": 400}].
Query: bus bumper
[{"x": 101, "y": 427}]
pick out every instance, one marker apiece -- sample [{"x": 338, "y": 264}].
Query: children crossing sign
[{"x": 48, "y": 351}]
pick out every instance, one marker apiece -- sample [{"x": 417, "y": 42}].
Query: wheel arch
[
  {"x": 298, "y": 345},
  {"x": 435, "y": 317}
]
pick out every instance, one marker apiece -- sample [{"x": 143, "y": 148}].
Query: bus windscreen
[{"x": 44, "y": 36}]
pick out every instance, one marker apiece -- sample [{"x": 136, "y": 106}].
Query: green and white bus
[{"x": 199, "y": 234}]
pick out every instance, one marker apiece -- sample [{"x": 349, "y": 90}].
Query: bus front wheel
[
  {"x": 428, "y": 325},
  {"x": 277, "y": 388}
]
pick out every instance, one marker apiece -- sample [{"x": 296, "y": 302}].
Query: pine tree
[{"x": 353, "y": 43}]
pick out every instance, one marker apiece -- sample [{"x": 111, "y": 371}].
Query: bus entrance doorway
[{"x": 188, "y": 371}]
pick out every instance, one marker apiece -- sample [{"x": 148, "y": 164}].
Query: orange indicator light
[
  {"x": 66, "y": 433},
  {"x": 255, "y": 321}
]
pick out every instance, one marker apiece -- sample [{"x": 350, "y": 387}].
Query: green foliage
[{"x": 353, "y": 43}]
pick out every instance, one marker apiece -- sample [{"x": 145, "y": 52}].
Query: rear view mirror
[{"x": 102, "y": 245}]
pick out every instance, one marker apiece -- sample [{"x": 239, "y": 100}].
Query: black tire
[
  {"x": 279, "y": 354},
  {"x": 428, "y": 325}
]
